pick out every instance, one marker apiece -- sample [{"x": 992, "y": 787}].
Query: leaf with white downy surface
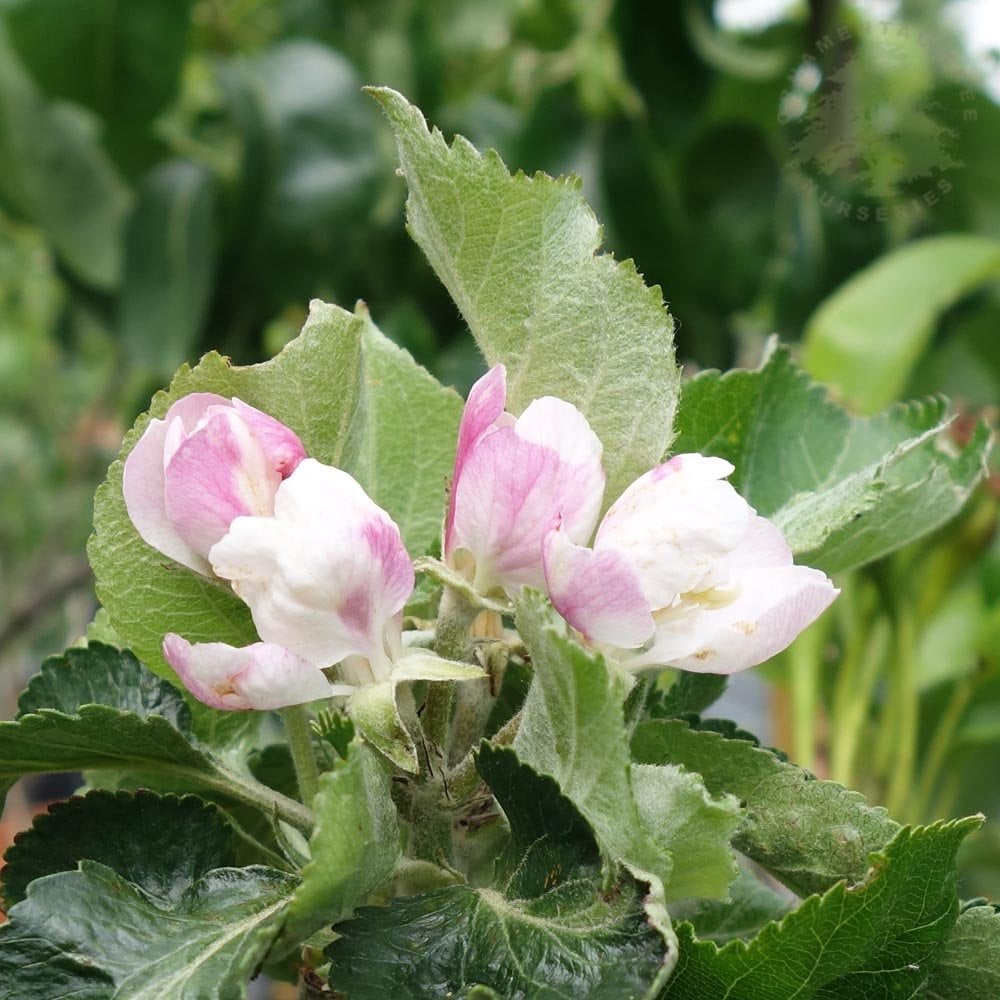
[
  {"x": 549, "y": 928},
  {"x": 809, "y": 834},
  {"x": 844, "y": 490},
  {"x": 660, "y": 822},
  {"x": 970, "y": 966},
  {"x": 882, "y": 938},
  {"x": 375, "y": 708},
  {"x": 354, "y": 847},
  {"x": 519, "y": 256}
]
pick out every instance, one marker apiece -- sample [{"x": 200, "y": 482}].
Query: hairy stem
[{"x": 300, "y": 743}]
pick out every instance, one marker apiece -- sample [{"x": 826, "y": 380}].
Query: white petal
[
  {"x": 326, "y": 575},
  {"x": 675, "y": 524}
]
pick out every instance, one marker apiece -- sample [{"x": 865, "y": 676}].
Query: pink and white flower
[
  {"x": 207, "y": 462},
  {"x": 684, "y": 573},
  {"x": 326, "y": 576},
  {"x": 512, "y": 477},
  {"x": 260, "y": 677}
]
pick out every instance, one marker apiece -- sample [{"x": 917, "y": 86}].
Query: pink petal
[
  {"x": 598, "y": 593},
  {"x": 281, "y": 444},
  {"x": 675, "y": 523},
  {"x": 261, "y": 677},
  {"x": 143, "y": 482},
  {"x": 325, "y": 576},
  {"x": 218, "y": 473},
  {"x": 774, "y": 606},
  {"x": 484, "y": 406},
  {"x": 509, "y": 495}
]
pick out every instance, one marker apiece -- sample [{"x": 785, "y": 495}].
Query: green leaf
[
  {"x": 120, "y": 61},
  {"x": 689, "y": 692},
  {"x": 845, "y": 491},
  {"x": 160, "y": 843},
  {"x": 866, "y": 338},
  {"x": 99, "y": 708},
  {"x": 751, "y": 905},
  {"x": 970, "y": 965},
  {"x": 879, "y": 939},
  {"x": 354, "y": 847},
  {"x": 56, "y": 175},
  {"x": 519, "y": 256},
  {"x": 170, "y": 247},
  {"x": 312, "y": 386},
  {"x": 403, "y": 438},
  {"x": 807, "y": 833},
  {"x": 93, "y": 931},
  {"x": 546, "y": 929},
  {"x": 660, "y": 823}
]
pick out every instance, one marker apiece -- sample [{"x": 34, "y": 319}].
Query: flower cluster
[{"x": 681, "y": 571}]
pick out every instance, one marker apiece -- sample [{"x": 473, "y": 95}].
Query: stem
[
  {"x": 852, "y": 700},
  {"x": 904, "y": 693},
  {"x": 941, "y": 744},
  {"x": 465, "y": 778},
  {"x": 300, "y": 743},
  {"x": 252, "y": 792},
  {"x": 804, "y": 656}
]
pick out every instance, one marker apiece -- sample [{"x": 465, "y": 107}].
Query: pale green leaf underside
[
  {"x": 807, "y": 833},
  {"x": 573, "y": 730},
  {"x": 844, "y": 490},
  {"x": 519, "y": 256},
  {"x": 867, "y": 337},
  {"x": 354, "y": 846},
  {"x": 970, "y": 966}
]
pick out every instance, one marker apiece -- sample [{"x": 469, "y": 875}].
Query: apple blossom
[
  {"x": 326, "y": 576},
  {"x": 262, "y": 676},
  {"x": 512, "y": 476},
  {"x": 206, "y": 462},
  {"x": 684, "y": 573}
]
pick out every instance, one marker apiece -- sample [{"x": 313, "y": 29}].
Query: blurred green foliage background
[{"x": 180, "y": 175}]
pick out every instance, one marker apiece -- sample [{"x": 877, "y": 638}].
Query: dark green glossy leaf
[
  {"x": 547, "y": 929},
  {"x": 91, "y": 928},
  {"x": 160, "y": 843}
]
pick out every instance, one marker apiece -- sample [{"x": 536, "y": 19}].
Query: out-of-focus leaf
[
  {"x": 121, "y": 61},
  {"x": 866, "y": 339},
  {"x": 56, "y": 174},
  {"x": 170, "y": 245}
]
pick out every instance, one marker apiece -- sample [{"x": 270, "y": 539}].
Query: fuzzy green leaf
[
  {"x": 660, "y": 823},
  {"x": 312, "y": 386},
  {"x": 882, "y": 938},
  {"x": 354, "y": 847},
  {"x": 519, "y": 256},
  {"x": 807, "y": 833},
  {"x": 403, "y": 438},
  {"x": 844, "y": 490},
  {"x": 160, "y": 843},
  {"x": 70, "y": 934},
  {"x": 546, "y": 930},
  {"x": 970, "y": 966}
]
